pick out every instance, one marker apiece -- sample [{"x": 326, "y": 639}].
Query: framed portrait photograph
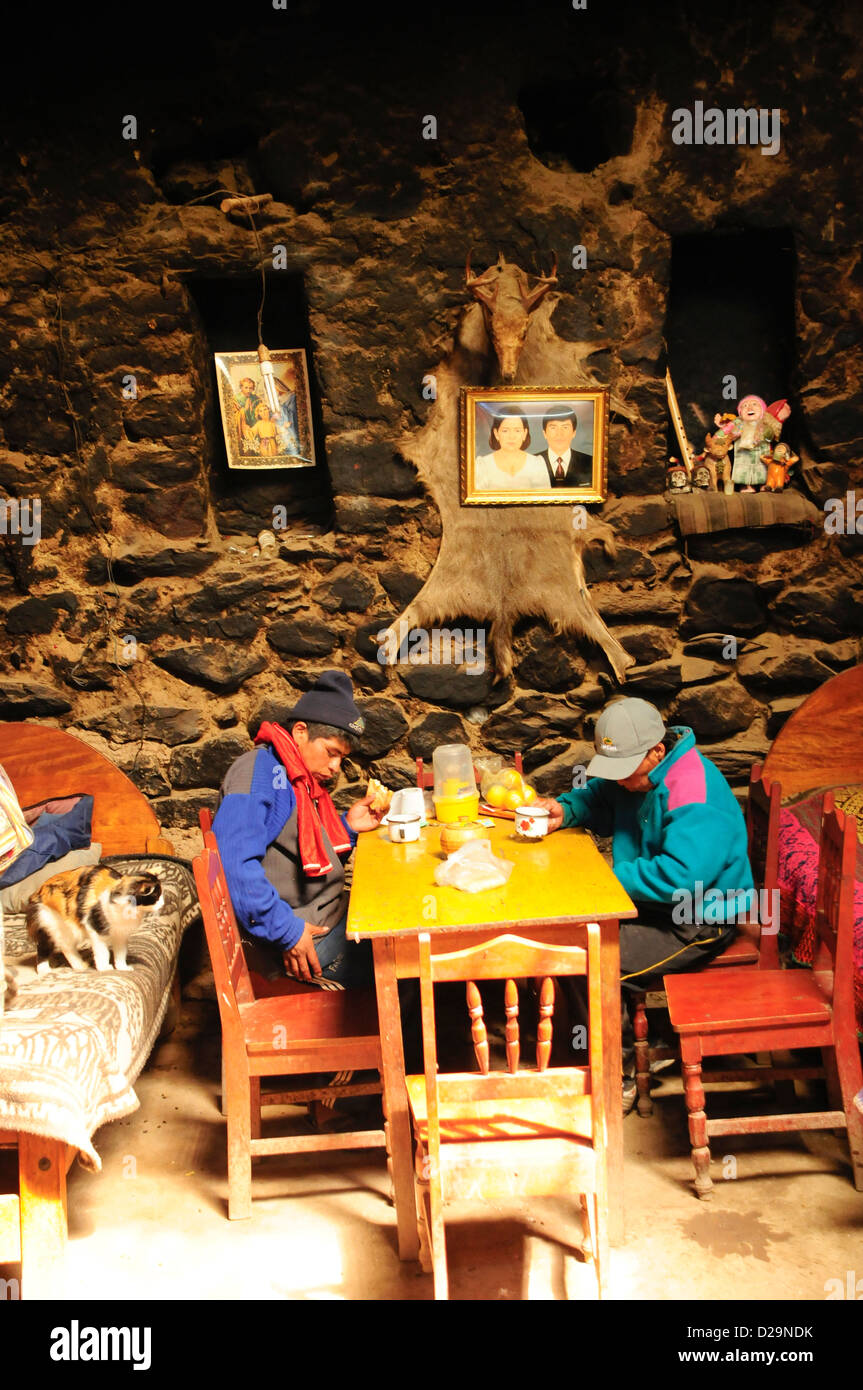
[
  {"x": 266, "y": 430},
  {"x": 532, "y": 444}
]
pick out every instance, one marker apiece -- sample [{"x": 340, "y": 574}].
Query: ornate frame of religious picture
[
  {"x": 529, "y": 445},
  {"x": 266, "y": 418}
]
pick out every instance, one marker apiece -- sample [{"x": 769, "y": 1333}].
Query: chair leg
[
  {"x": 239, "y": 1100},
  {"x": 694, "y": 1092},
  {"x": 255, "y": 1106},
  {"x": 588, "y": 1245},
  {"x": 437, "y": 1235},
  {"x": 642, "y": 1055},
  {"x": 391, "y": 1195},
  {"x": 223, "y": 1097},
  {"x": 850, "y": 1081},
  {"x": 595, "y": 1243},
  {"x": 421, "y": 1191},
  {"x": 601, "y": 1256}
]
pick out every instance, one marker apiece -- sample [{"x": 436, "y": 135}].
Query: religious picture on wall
[
  {"x": 266, "y": 417},
  {"x": 532, "y": 444}
]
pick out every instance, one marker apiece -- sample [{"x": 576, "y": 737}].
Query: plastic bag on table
[
  {"x": 489, "y": 766},
  {"x": 473, "y": 868}
]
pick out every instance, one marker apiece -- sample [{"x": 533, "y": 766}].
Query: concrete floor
[{"x": 152, "y": 1225}]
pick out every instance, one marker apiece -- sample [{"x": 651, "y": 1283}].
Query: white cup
[
  {"x": 531, "y": 822},
  {"x": 408, "y": 801},
  {"x": 403, "y": 829}
]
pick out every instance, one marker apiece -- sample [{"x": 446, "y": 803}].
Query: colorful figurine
[
  {"x": 753, "y": 431},
  {"x": 780, "y": 461}
]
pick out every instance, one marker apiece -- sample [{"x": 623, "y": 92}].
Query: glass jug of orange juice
[{"x": 455, "y": 795}]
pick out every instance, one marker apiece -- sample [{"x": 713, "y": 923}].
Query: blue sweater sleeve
[
  {"x": 694, "y": 850},
  {"x": 244, "y": 827},
  {"x": 591, "y": 806}
]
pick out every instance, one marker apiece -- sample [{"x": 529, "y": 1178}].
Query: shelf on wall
[{"x": 700, "y": 513}]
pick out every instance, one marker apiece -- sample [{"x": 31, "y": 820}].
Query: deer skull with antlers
[{"x": 507, "y": 301}]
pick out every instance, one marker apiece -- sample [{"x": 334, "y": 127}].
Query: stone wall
[{"x": 147, "y": 619}]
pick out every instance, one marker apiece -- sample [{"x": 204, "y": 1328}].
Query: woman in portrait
[{"x": 508, "y": 467}]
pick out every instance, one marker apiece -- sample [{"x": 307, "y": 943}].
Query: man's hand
[
  {"x": 362, "y": 816},
  {"x": 301, "y": 961},
  {"x": 554, "y": 808}
]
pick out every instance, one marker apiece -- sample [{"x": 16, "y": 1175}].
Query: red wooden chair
[
  {"x": 425, "y": 779},
  {"x": 296, "y": 1033},
  {"x": 733, "y": 1011},
  {"x": 757, "y": 939},
  {"x": 493, "y": 1135}
]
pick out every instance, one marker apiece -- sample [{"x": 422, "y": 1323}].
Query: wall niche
[
  {"x": 731, "y": 313},
  {"x": 225, "y": 309}
]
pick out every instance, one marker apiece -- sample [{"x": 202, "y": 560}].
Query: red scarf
[{"x": 315, "y": 809}]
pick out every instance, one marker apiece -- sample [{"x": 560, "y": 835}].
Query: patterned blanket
[
  {"x": 798, "y": 888},
  {"x": 73, "y": 1043}
]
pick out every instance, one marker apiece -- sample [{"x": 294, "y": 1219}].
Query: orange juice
[{"x": 452, "y": 808}]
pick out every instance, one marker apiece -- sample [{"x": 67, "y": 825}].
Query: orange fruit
[
  {"x": 511, "y": 779},
  {"x": 496, "y": 795},
  {"x": 529, "y": 794},
  {"x": 512, "y": 800}
]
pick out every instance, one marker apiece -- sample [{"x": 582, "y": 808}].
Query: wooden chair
[
  {"x": 757, "y": 939},
  {"x": 497, "y": 1134},
  {"x": 726, "y": 1012},
  {"x": 425, "y": 779},
  {"x": 300, "y": 1032}
]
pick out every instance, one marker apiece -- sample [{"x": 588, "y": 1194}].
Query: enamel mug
[
  {"x": 403, "y": 828},
  {"x": 531, "y": 823}
]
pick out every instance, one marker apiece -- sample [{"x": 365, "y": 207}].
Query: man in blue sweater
[
  {"x": 679, "y": 847},
  {"x": 284, "y": 845}
]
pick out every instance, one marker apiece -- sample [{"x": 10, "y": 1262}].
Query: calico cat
[{"x": 96, "y": 907}]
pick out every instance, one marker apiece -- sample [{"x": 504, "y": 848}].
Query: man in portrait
[{"x": 567, "y": 467}]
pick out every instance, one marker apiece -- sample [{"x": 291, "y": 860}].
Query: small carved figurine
[
  {"x": 676, "y": 476},
  {"x": 780, "y": 461},
  {"x": 717, "y": 447},
  {"x": 701, "y": 478}
]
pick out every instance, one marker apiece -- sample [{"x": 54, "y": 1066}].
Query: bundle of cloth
[{"x": 799, "y": 835}]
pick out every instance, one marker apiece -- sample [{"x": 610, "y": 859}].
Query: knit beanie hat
[{"x": 330, "y": 701}]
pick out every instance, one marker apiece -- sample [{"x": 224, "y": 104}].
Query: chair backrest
[
  {"x": 425, "y": 779},
  {"x": 205, "y": 821},
  {"x": 233, "y": 984},
  {"x": 510, "y": 957},
  {"x": 763, "y": 808},
  {"x": 834, "y": 909}
]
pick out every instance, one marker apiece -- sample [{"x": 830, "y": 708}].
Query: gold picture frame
[
  {"x": 578, "y": 423},
  {"x": 255, "y": 435}
]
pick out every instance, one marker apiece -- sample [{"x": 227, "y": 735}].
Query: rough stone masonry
[{"x": 146, "y": 618}]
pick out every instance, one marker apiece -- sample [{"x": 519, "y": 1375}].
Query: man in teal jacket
[{"x": 679, "y": 844}]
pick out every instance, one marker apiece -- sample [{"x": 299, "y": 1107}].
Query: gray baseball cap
[{"x": 625, "y": 732}]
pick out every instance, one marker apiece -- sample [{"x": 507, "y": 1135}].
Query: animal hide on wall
[{"x": 499, "y": 564}]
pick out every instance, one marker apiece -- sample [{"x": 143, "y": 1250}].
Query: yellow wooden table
[{"x": 556, "y": 884}]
